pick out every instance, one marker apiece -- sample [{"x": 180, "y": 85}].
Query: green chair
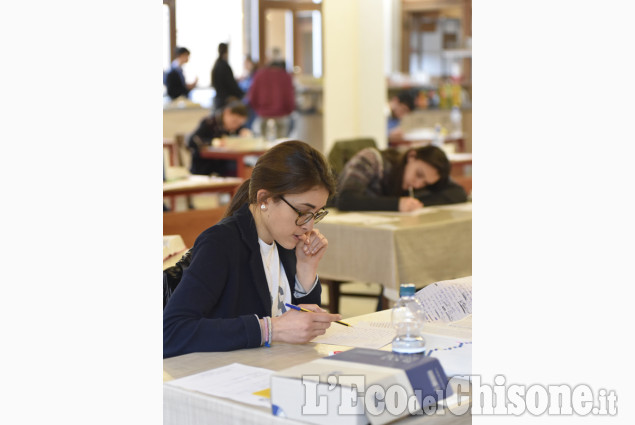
[{"x": 343, "y": 150}]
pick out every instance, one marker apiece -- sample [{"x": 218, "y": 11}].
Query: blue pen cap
[{"x": 407, "y": 290}]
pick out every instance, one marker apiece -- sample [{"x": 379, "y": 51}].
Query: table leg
[
  {"x": 240, "y": 167},
  {"x": 382, "y": 301},
  {"x": 334, "y": 294}
]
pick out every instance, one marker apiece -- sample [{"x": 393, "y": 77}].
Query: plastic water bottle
[
  {"x": 271, "y": 130},
  {"x": 438, "y": 137},
  {"x": 456, "y": 118},
  {"x": 408, "y": 320}
]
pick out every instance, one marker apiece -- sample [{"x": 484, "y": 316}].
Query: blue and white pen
[{"x": 295, "y": 307}]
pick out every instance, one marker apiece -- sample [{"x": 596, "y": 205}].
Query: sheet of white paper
[
  {"x": 235, "y": 381},
  {"x": 363, "y": 334},
  {"x": 454, "y": 354},
  {"x": 463, "y": 206},
  {"x": 464, "y": 323},
  {"x": 418, "y": 211},
  {"x": 448, "y": 300},
  {"x": 358, "y": 218},
  {"x": 464, "y": 332}
]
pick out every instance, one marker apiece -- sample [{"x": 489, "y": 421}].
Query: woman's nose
[{"x": 308, "y": 226}]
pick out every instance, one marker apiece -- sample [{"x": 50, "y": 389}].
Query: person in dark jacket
[
  {"x": 223, "y": 79},
  {"x": 261, "y": 256},
  {"x": 374, "y": 180},
  {"x": 175, "y": 80},
  {"x": 228, "y": 121}
]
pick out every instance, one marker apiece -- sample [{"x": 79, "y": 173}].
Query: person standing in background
[
  {"x": 175, "y": 80},
  {"x": 244, "y": 83},
  {"x": 400, "y": 106},
  {"x": 223, "y": 79},
  {"x": 272, "y": 97},
  {"x": 250, "y": 68}
]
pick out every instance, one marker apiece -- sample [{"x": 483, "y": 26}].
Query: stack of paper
[
  {"x": 362, "y": 334},
  {"x": 236, "y": 381},
  {"x": 172, "y": 245},
  {"x": 448, "y": 300}
]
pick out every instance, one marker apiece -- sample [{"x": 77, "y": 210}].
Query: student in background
[
  {"x": 400, "y": 106},
  {"x": 244, "y": 83},
  {"x": 228, "y": 121},
  {"x": 175, "y": 80},
  {"x": 263, "y": 254},
  {"x": 376, "y": 180},
  {"x": 272, "y": 97},
  {"x": 223, "y": 79}
]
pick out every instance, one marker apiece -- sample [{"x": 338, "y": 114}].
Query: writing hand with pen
[
  {"x": 295, "y": 326},
  {"x": 409, "y": 203}
]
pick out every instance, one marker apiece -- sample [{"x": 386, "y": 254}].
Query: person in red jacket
[{"x": 272, "y": 97}]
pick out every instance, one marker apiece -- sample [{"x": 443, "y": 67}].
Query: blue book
[{"x": 427, "y": 377}]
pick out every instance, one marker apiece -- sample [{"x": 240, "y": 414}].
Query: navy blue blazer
[{"x": 215, "y": 305}]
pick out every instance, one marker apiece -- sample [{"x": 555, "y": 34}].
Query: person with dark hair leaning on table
[
  {"x": 227, "y": 121},
  {"x": 262, "y": 255},
  {"x": 376, "y": 180}
]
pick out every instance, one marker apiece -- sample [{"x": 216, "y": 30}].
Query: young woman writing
[{"x": 261, "y": 256}]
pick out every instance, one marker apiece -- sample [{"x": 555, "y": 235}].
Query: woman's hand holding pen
[
  {"x": 407, "y": 204},
  {"x": 299, "y": 327},
  {"x": 308, "y": 252}
]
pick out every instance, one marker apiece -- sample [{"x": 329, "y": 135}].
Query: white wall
[
  {"x": 392, "y": 35},
  {"x": 201, "y": 26},
  {"x": 354, "y": 80}
]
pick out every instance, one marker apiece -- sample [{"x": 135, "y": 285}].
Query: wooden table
[
  {"x": 171, "y": 146},
  {"x": 403, "y": 248},
  {"x": 185, "y": 407},
  {"x": 425, "y": 136},
  {"x": 173, "y": 249},
  {"x": 236, "y": 155},
  {"x": 461, "y": 164},
  {"x": 200, "y": 184}
]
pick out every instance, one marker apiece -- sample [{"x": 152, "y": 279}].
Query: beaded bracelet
[
  {"x": 265, "y": 333},
  {"x": 269, "y": 331}
]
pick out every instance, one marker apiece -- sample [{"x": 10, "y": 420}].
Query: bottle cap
[{"x": 406, "y": 289}]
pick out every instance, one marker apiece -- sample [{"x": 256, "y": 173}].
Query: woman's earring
[{"x": 263, "y": 207}]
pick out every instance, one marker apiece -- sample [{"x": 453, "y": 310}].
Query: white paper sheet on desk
[
  {"x": 448, "y": 300},
  {"x": 463, "y": 206},
  {"x": 363, "y": 334},
  {"x": 418, "y": 211},
  {"x": 464, "y": 323},
  {"x": 455, "y": 354},
  {"x": 358, "y": 218},
  {"x": 235, "y": 381}
]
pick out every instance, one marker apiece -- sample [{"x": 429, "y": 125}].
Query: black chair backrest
[{"x": 172, "y": 276}]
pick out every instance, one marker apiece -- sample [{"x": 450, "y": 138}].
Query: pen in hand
[
  {"x": 412, "y": 193},
  {"x": 295, "y": 307}
]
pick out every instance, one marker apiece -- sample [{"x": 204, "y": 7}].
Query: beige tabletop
[
  {"x": 391, "y": 248},
  {"x": 185, "y": 407},
  {"x": 201, "y": 183}
]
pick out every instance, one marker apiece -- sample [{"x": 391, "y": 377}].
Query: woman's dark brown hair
[
  {"x": 288, "y": 167},
  {"x": 431, "y": 155}
]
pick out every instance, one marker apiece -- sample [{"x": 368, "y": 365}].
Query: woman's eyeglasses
[{"x": 305, "y": 217}]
